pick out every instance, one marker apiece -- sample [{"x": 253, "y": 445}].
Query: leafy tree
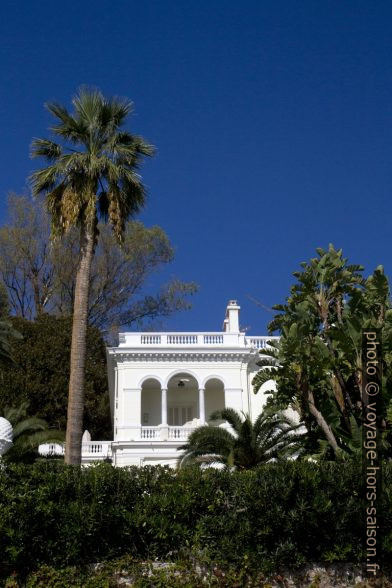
[
  {"x": 40, "y": 273},
  {"x": 40, "y": 373},
  {"x": 91, "y": 171},
  {"x": 118, "y": 275},
  {"x": 7, "y": 333},
  {"x": 28, "y": 434},
  {"x": 272, "y": 436},
  {"x": 317, "y": 362},
  {"x": 25, "y": 257},
  {"x": 4, "y": 305}
]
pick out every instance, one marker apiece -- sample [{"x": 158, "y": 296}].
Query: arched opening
[
  {"x": 214, "y": 397},
  {"x": 182, "y": 399},
  {"x": 151, "y": 403}
]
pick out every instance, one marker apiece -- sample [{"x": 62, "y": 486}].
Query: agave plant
[
  {"x": 248, "y": 444},
  {"x": 28, "y": 434}
]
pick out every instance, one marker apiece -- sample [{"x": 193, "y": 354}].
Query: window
[{"x": 179, "y": 415}]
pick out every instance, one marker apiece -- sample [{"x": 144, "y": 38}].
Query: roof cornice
[{"x": 121, "y": 355}]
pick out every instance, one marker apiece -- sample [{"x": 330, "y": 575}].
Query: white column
[
  {"x": 114, "y": 404},
  {"x": 164, "y": 406},
  {"x": 202, "y": 415}
]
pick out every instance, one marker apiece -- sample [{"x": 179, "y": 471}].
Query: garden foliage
[
  {"x": 281, "y": 514},
  {"x": 316, "y": 364},
  {"x": 39, "y": 374}
]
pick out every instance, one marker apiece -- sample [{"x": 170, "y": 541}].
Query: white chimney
[{"x": 231, "y": 324}]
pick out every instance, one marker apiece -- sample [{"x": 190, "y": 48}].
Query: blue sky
[{"x": 272, "y": 121}]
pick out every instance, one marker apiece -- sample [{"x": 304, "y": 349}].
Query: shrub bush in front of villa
[{"x": 282, "y": 514}]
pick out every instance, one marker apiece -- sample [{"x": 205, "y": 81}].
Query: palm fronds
[
  {"x": 94, "y": 160},
  {"x": 28, "y": 433},
  {"x": 244, "y": 444}
]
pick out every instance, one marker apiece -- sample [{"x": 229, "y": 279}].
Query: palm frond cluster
[
  {"x": 93, "y": 168},
  {"x": 28, "y": 434},
  {"x": 244, "y": 444}
]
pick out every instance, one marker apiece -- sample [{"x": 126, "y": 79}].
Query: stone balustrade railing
[
  {"x": 90, "y": 449},
  {"x": 259, "y": 342},
  {"x": 179, "y": 433},
  {"x": 158, "y": 433},
  {"x": 149, "y": 432},
  {"x": 142, "y": 340},
  {"x": 169, "y": 433}
]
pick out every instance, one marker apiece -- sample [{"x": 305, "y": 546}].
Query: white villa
[{"x": 164, "y": 385}]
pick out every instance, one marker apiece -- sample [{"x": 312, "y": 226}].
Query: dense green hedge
[{"x": 280, "y": 514}]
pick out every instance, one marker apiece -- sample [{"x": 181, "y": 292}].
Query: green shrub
[{"x": 281, "y": 514}]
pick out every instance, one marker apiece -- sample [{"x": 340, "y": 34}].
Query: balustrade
[
  {"x": 101, "y": 448},
  {"x": 97, "y": 448},
  {"x": 213, "y": 339},
  {"x": 149, "y": 433},
  {"x": 182, "y": 339},
  {"x": 179, "y": 433},
  {"x": 259, "y": 342},
  {"x": 134, "y": 340},
  {"x": 150, "y": 339}
]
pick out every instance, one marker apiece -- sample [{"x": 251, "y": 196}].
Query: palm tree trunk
[{"x": 78, "y": 350}]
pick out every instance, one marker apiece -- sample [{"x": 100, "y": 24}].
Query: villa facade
[{"x": 164, "y": 385}]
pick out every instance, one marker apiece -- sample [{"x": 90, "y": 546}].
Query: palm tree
[
  {"x": 271, "y": 436},
  {"x": 92, "y": 172},
  {"x": 28, "y": 434}
]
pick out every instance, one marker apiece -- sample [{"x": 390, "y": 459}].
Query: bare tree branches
[{"x": 39, "y": 274}]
